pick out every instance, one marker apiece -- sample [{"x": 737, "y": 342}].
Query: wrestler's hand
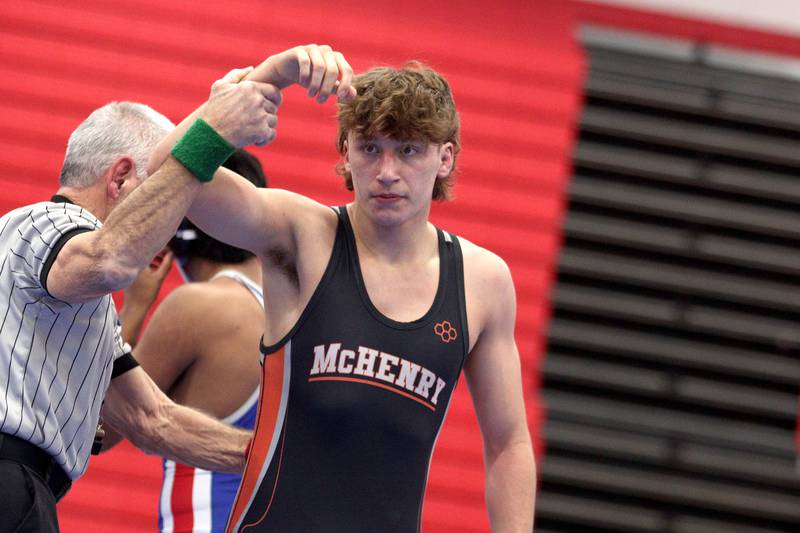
[
  {"x": 243, "y": 112},
  {"x": 320, "y": 69}
]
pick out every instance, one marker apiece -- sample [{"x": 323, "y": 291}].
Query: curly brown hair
[{"x": 412, "y": 103}]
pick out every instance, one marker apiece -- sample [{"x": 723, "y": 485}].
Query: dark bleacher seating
[{"x": 672, "y": 367}]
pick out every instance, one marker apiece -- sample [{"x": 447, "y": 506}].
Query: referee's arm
[
  {"x": 137, "y": 226},
  {"x": 136, "y": 408},
  {"x": 96, "y": 263}
]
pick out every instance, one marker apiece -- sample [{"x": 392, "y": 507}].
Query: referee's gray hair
[{"x": 114, "y": 130}]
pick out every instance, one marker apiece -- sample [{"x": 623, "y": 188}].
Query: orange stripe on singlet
[
  {"x": 375, "y": 384},
  {"x": 269, "y": 405}
]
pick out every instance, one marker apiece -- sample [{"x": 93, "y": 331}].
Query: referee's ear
[{"x": 120, "y": 179}]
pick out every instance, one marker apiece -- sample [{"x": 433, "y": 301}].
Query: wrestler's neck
[
  {"x": 408, "y": 240},
  {"x": 201, "y": 269}
]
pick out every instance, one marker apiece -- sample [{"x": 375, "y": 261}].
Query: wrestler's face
[{"x": 393, "y": 179}]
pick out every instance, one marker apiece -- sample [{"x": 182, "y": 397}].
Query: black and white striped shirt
[{"x": 56, "y": 358}]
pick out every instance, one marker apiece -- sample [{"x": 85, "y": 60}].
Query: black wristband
[
  {"x": 202, "y": 150},
  {"x": 122, "y": 364}
]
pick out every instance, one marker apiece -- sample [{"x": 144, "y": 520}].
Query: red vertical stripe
[
  {"x": 181, "y": 500},
  {"x": 266, "y": 420}
]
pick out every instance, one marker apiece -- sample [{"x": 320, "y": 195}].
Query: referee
[{"x": 61, "y": 355}]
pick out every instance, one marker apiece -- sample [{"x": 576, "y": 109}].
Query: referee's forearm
[
  {"x": 139, "y": 410},
  {"x": 136, "y": 230},
  {"x": 97, "y": 263},
  {"x": 187, "y": 436}
]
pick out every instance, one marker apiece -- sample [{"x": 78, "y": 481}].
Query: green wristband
[{"x": 202, "y": 150}]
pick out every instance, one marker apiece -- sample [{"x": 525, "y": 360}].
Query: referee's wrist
[{"x": 202, "y": 150}]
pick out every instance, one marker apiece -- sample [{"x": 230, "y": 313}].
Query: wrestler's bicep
[{"x": 234, "y": 211}]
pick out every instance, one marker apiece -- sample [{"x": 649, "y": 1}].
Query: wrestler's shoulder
[
  {"x": 205, "y": 301},
  {"x": 483, "y": 262}
]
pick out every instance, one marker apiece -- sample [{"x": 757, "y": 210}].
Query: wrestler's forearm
[
  {"x": 211, "y": 191},
  {"x": 511, "y": 488},
  {"x": 267, "y": 72}
]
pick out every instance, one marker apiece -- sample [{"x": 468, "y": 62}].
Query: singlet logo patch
[{"x": 445, "y": 331}]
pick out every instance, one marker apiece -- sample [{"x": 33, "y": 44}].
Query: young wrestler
[{"x": 371, "y": 314}]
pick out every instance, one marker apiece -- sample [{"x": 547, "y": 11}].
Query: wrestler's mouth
[{"x": 387, "y": 198}]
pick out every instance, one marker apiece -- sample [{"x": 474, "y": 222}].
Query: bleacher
[{"x": 672, "y": 369}]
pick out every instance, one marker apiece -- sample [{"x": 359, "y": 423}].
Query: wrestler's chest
[{"x": 403, "y": 295}]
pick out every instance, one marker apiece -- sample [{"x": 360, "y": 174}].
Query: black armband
[
  {"x": 124, "y": 363},
  {"x": 54, "y": 251}
]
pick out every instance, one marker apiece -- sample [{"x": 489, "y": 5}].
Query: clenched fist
[{"x": 320, "y": 69}]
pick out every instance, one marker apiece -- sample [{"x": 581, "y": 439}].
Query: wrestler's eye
[
  {"x": 369, "y": 148},
  {"x": 410, "y": 149}
]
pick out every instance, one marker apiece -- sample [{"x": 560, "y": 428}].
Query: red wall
[{"x": 515, "y": 71}]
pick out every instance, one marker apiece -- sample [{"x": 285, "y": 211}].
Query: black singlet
[{"x": 351, "y": 405}]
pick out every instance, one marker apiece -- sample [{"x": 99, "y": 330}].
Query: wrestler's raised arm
[{"x": 230, "y": 208}]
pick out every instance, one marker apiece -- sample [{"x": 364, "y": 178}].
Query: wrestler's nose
[{"x": 388, "y": 170}]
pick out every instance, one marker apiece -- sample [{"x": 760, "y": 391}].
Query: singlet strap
[
  {"x": 457, "y": 257},
  {"x": 246, "y": 282}
]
